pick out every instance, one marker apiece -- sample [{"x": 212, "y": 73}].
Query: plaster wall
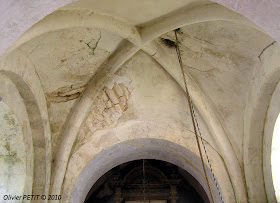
[
  {"x": 12, "y": 154},
  {"x": 152, "y": 103},
  {"x": 64, "y": 64},
  {"x": 222, "y": 72},
  {"x": 152, "y": 96},
  {"x": 157, "y": 108}
]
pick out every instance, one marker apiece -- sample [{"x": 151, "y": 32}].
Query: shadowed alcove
[{"x": 149, "y": 180}]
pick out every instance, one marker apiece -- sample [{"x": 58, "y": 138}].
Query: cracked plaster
[{"x": 229, "y": 52}]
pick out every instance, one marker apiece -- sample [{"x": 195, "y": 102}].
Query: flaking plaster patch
[
  {"x": 66, "y": 93},
  {"x": 109, "y": 107}
]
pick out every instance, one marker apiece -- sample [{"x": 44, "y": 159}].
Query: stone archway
[
  {"x": 18, "y": 95},
  {"x": 259, "y": 122},
  {"x": 144, "y": 148},
  {"x": 271, "y": 117}
]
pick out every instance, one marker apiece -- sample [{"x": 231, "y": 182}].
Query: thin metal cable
[
  {"x": 195, "y": 123},
  {"x": 210, "y": 166}
]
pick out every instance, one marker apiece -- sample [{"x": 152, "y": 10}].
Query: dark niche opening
[{"x": 146, "y": 181}]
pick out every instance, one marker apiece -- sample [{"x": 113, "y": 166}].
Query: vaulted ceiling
[{"x": 88, "y": 53}]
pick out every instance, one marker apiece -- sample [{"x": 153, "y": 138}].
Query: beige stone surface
[
  {"x": 223, "y": 72},
  {"x": 262, "y": 87},
  {"x": 95, "y": 76},
  {"x": 62, "y": 58},
  {"x": 12, "y": 154},
  {"x": 135, "y": 12}
]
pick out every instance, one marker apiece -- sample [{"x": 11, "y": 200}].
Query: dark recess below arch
[{"x": 129, "y": 177}]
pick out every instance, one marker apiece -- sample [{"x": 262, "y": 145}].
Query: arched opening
[
  {"x": 145, "y": 148},
  {"x": 148, "y": 180},
  {"x": 275, "y": 161},
  {"x": 12, "y": 154},
  {"x": 18, "y": 95}
]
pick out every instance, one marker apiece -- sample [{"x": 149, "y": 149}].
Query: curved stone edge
[
  {"x": 264, "y": 81},
  {"x": 23, "y": 74},
  {"x": 82, "y": 157}
]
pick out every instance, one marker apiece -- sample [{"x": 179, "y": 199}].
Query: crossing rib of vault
[{"x": 101, "y": 86}]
